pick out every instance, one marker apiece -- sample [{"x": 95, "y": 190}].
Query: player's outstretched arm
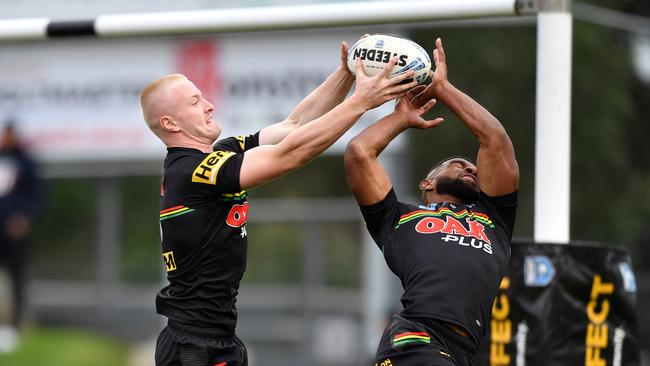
[
  {"x": 496, "y": 163},
  {"x": 267, "y": 162},
  {"x": 367, "y": 178},
  {"x": 320, "y": 101}
]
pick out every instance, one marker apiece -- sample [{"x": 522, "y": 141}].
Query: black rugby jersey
[
  {"x": 450, "y": 258},
  {"x": 203, "y": 232}
]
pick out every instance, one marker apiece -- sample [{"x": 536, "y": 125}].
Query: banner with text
[
  {"x": 564, "y": 305},
  {"x": 78, "y": 99}
]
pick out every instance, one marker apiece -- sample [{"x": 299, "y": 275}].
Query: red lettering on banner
[
  {"x": 237, "y": 215},
  {"x": 454, "y": 227},
  {"x": 198, "y": 61}
]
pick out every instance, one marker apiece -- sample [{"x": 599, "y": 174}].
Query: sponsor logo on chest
[
  {"x": 464, "y": 228},
  {"x": 237, "y": 217}
]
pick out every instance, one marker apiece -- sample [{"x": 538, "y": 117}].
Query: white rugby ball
[{"x": 376, "y": 51}]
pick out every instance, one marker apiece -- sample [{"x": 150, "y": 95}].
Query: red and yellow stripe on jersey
[
  {"x": 168, "y": 213},
  {"x": 410, "y": 337}
]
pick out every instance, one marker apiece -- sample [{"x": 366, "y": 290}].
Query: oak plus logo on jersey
[
  {"x": 207, "y": 171},
  {"x": 448, "y": 222},
  {"x": 170, "y": 263},
  {"x": 237, "y": 217}
]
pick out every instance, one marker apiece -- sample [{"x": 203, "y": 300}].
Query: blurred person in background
[
  {"x": 204, "y": 204},
  {"x": 19, "y": 203},
  {"x": 452, "y": 251}
]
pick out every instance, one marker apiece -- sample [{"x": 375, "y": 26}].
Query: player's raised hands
[
  {"x": 413, "y": 114},
  {"x": 373, "y": 91},
  {"x": 438, "y": 76},
  {"x": 344, "y": 55},
  {"x": 344, "y": 58}
]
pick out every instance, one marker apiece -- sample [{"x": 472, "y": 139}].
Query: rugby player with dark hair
[
  {"x": 204, "y": 205},
  {"x": 452, "y": 251}
]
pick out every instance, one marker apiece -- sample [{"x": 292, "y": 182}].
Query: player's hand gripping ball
[{"x": 376, "y": 51}]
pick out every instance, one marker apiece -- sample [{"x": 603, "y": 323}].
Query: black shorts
[
  {"x": 177, "y": 348},
  {"x": 409, "y": 343}
]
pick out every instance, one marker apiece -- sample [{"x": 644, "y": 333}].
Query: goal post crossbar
[{"x": 259, "y": 18}]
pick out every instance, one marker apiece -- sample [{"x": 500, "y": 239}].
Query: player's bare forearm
[
  {"x": 366, "y": 177},
  {"x": 374, "y": 139},
  {"x": 264, "y": 163},
  {"x": 309, "y": 141},
  {"x": 496, "y": 152},
  {"x": 328, "y": 95},
  {"x": 370, "y": 92},
  {"x": 325, "y": 97},
  {"x": 478, "y": 120}
]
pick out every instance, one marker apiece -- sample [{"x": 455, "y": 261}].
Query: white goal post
[{"x": 260, "y": 18}]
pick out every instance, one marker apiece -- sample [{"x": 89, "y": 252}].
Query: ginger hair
[{"x": 153, "y": 100}]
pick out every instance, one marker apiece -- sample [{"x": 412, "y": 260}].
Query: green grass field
[{"x": 63, "y": 347}]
